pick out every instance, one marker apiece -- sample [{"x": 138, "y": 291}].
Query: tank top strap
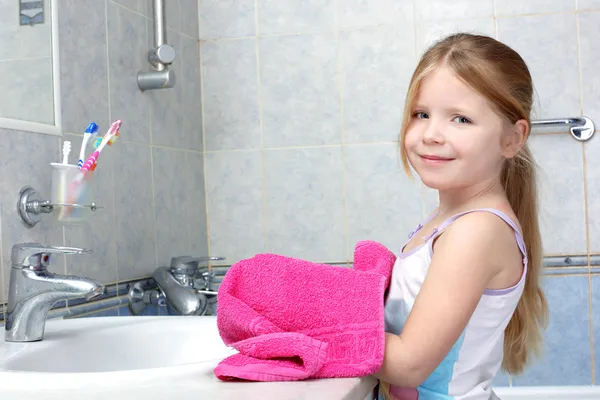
[{"x": 518, "y": 237}]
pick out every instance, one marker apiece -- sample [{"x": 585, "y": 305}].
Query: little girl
[{"x": 464, "y": 298}]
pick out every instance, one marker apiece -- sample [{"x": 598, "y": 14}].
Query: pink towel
[{"x": 292, "y": 319}]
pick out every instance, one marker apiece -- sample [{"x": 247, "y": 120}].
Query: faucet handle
[
  {"x": 188, "y": 265},
  {"x": 37, "y": 255}
]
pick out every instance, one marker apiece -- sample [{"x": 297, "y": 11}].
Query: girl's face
[{"x": 455, "y": 139}]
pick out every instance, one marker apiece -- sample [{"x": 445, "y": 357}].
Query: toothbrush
[
  {"x": 66, "y": 150},
  {"x": 109, "y": 138},
  {"x": 76, "y": 187},
  {"x": 98, "y": 142},
  {"x": 90, "y": 133}
]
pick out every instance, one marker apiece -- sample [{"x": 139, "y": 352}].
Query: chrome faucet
[
  {"x": 33, "y": 290},
  {"x": 178, "y": 284}
]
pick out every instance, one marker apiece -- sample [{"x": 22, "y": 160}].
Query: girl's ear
[{"x": 516, "y": 138}]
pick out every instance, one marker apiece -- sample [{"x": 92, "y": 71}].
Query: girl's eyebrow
[{"x": 450, "y": 110}]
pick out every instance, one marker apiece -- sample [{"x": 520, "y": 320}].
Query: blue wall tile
[
  {"x": 502, "y": 379},
  {"x": 566, "y": 359},
  {"x": 596, "y": 323},
  {"x": 124, "y": 311},
  {"x": 111, "y": 312}
]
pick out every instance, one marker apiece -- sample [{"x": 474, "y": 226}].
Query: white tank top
[{"x": 466, "y": 373}]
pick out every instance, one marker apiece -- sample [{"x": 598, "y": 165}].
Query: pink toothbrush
[{"x": 113, "y": 132}]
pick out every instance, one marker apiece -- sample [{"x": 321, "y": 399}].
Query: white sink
[{"x": 97, "y": 351}]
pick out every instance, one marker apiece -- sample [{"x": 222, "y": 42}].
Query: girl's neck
[{"x": 454, "y": 201}]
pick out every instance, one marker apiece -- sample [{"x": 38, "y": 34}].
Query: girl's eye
[
  {"x": 421, "y": 115},
  {"x": 462, "y": 120}
]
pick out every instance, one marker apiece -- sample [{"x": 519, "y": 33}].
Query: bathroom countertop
[{"x": 206, "y": 386}]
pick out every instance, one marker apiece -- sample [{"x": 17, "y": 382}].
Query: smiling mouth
[{"x": 435, "y": 158}]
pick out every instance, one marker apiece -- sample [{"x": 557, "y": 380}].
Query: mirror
[{"x": 29, "y": 89}]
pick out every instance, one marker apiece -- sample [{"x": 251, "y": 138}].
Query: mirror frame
[{"x": 38, "y": 127}]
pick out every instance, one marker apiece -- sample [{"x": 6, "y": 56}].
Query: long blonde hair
[{"x": 498, "y": 73}]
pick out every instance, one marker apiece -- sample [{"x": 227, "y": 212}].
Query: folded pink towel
[{"x": 292, "y": 319}]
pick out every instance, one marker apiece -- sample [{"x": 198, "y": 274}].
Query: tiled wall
[
  {"x": 25, "y": 66},
  {"x": 302, "y": 105},
  {"x": 151, "y": 182}
]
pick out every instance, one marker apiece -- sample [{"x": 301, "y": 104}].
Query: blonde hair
[{"x": 499, "y": 74}]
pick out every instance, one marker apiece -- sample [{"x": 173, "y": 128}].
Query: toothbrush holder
[{"x": 68, "y": 212}]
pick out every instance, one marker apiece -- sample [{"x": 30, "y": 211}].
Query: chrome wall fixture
[
  {"x": 31, "y": 206},
  {"x": 161, "y": 56},
  {"x": 581, "y": 128}
]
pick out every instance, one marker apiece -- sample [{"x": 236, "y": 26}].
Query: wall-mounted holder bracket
[
  {"x": 581, "y": 128},
  {"x": 31, "y": 206},
  {"x": 161, "y": 56}
]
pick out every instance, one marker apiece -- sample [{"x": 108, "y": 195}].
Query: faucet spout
[
  {"x": 32, "y": 293},
  {"x": 183, "y": 299}
]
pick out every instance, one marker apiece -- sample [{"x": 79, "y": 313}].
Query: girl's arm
[{"x": 466, "y": 257}]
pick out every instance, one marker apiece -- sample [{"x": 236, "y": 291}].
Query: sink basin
[{"x": 92, "y": 351}]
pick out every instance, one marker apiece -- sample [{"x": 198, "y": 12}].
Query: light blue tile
[
  {"x": 173, "y": 11},
  {"x": 235, "y": 204},
  {"x": 432, "y": 31},
  {"x": 111, "y": 312},
  {"x": 518, "y": 7},
  {"x": 97, "y": 233},
  {"x": 589, "y": 31},
  {"x": 295, "y": 16},
  {"x": 139, "y": 6},
  {"x": 134, "y": 211},
  {"x": 151, "y": 310},
  {"x": 305, "y": 203},
  {"x": 83, "y": 64},
  {"x": 124, "y": 311},
  {"x": 377, "y": 64},
  {"x": 592, "y": 165},
  {"x": 374, "y": 12},
  {"x": 226, "y": 19},
  {"x": 457, "y": 9},
  {"x": 189, "y": 18},
  {"x": 502, "y": 379},
  {"x": 230, "y": 87},
  {"x": 25, "y": 162},
  {"x": 566, "y": 359},
  {"x": 561, "y": 193},
  {"x": 556, "y": 78},
  {"x": 377, "y": 188},
  {"x": 127, "y": 55},
  {"x": 588, "y": 4},
  {"x": 300, "y": 90},
  {"x": 196, "y": 204},
  {"x": 170, "y": 196},
  {"x": 596, "y": 321},
  {"x": 191, "y": 87}
]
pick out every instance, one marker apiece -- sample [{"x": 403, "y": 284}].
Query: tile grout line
[
  {"x": 263, "y": 167},
  {"x": 152, "y": 186},
  {"x": 188, "y": 139},
  {"x": 590, "y": 288},
  {"x": 114, "y": 205},
  {"x": 360, "y": 27},
  {"x": 2, "y": 266},
  {"x": 342, "y": 131},
  {"x": 585, "y": 199},
  {"x": 495, "y": 16},
  {"x": 204, "y": 153}
]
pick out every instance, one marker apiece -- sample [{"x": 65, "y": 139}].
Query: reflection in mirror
[{"x": 26, "y": 65}]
